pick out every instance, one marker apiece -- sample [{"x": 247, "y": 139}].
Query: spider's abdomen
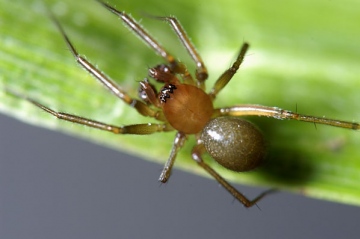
[
  {"x": 234, "y": 143},
  {"x": 186, "y": 107}
]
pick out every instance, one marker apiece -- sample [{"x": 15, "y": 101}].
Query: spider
[{"x": 183, "y": 105}]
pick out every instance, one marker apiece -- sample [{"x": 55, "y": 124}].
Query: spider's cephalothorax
[{"x": 184, "y": 106}]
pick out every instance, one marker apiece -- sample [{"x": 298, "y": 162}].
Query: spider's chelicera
[{"x": 183, "y": 105}]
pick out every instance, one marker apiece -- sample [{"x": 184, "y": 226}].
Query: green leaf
[{"x": 304, "y": 56}]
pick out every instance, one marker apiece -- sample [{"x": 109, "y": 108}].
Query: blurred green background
[{"x": 304, "y": 55}]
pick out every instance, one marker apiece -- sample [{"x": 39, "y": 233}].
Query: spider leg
[
  {"x": 201, "y": 71},
  {"x": 179, "y": 140},
  {"x": 141, "y": 107},
  {"x": 142, "y": 129},
  {"x": 197, "y": 152},
  {"x": 229, "y": 73},
  {"x": 277, "y": 113},
  {"x": 176, "y": 67},
  {"x": 130, "y": 22}
]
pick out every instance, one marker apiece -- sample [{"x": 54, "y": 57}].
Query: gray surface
[{"x": 56, "y": 186}]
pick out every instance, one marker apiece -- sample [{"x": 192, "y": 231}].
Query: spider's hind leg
[{"x": 197, "y": 153}]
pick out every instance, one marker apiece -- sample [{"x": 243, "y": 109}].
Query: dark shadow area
[
  {"x": 286, "y": 167},
  {"x": 284, "y": 164}
]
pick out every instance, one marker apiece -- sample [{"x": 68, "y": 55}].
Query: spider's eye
[{"x": 234, "y": 143}]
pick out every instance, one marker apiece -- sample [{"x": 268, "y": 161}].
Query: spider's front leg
[
  {"x": 176, "y": 66},
  {"x": 140, "y": 106},
  {"x": 201, "y": 71}
]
